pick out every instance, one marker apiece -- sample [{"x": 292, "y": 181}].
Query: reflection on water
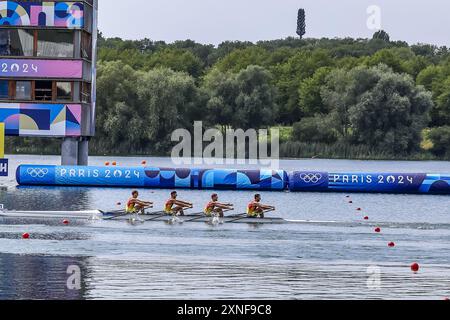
[
  {"x": 39, "y": 277},
  {"x": 46, "y": 198},
  {"x": 181, "y": 279},
  {"x": 46, "y": 277}
]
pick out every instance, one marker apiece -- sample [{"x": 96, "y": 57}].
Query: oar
[
  {"x": 241, "y": 216},
  {"x": 162, "y": 215},
  {"x": 124, "y": 214},
  {"x": 194, "y": 214},
  {"x": 269, "y": 210},
  {"x": 237, "y": 215},
  {"x": 204, "y": 216},
  {"x": 115, "y": 216},
  {"x": 244, "y": 216}
]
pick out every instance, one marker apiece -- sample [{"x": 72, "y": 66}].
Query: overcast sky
[{"x": 214, "y": 21}]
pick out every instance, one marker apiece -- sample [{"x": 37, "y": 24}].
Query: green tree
[
  {"x": 169, "y": 101},
  {"x": 290, "y": 75},
  {"x": 301, "y": 23},
  {"x": 117, "y": 107},
  {"x": 176, "y": 59},
  {"x": 437, "y": 80},
  {"x": 440, "y": 137},
  {"x": 240, "y": 59},
  {"x": 315, "y": 129},
  {"x": 441, "y": 111},
  {"x": 255, "y": 104},
  {"x": 388, "y": 57},
  {"x": 383, "y": 109},
  {"x": 382, "y": 35},
  {"x": 310, "y": 93},
  {"x": 221, "y": 89},
  {"x": 244, "y": 100},
  {"x": 428, "y": 76},
  {"x": 201, "y": 51},
  {"x": 225, "y": 48}
]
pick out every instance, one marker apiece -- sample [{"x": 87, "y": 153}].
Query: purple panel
[{"x": 68, "y": 69}]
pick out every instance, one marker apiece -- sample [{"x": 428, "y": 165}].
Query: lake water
[{"x": 336, "y": 259}]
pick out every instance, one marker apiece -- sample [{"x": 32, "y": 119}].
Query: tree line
[{"x": 358, "y": 98}]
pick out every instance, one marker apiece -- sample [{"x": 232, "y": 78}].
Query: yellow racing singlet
[
  {"x": 209, "y": 209},
  {"x": 130, "y": 208},
  {"x": 251, "y": 210},
  {"x": 168, "y": 207}
]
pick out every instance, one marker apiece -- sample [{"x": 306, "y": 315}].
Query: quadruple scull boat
[{"x": 148, "y": 217}]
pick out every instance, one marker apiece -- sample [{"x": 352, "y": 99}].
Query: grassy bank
[
  {"x": 288, "y": 149},
  {"x": 297, "y": 150}
]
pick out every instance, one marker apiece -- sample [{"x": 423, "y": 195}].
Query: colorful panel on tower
[
  {"x": 68, "y": 15},
  {"x": 41, "y": 120}
]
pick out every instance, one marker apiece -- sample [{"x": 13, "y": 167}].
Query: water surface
[{"x": 327, "y": 260}]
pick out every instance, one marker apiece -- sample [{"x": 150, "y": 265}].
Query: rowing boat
[
  {"x": 148, "y": 217},
  {"x": 199, "y": 219}
]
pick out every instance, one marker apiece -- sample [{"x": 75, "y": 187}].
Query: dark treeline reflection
[
  {"x": 56, "y": 199},
  {"x": 40, "y": 277}
]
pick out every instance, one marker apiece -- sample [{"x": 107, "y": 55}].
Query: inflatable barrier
[
  {"x": 264, "y": 180},
  {"x": 370, "y": 182}
]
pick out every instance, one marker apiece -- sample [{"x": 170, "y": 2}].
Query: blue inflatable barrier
[
  {"x": 264, "y": 180},
  {"x": 370, "y": 182}
]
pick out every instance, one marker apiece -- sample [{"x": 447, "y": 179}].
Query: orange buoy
[
  {"x": 378, "y": 230},
  {"x": 26, "y": 236},
  {"x": 144, "y": 162},
  {"x": 366, "y": 218},
  {"x": 391, "y": 245},
  {"x": 114, "y": 163},
  {"x": 66, "y": 222},
  {"x": 107, "y": 163},
  {"x": 415, "y": 267}
]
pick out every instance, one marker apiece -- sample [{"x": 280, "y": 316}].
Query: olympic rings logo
[
  {"x": 37, "y": 172},
  {"x": 311, "y": 177}
]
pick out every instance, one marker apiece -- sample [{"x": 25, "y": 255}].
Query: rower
[
  {"x": 257, "y": 210},
  {"x": 134, "y": 205},
  {"x": 176, "y": 207},
  {"x": 214, "y": 207}
]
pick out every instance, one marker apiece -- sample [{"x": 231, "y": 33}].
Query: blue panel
[
  {"x": 436, "y": 184},
  {"x": 81, "y": 176},
  {"x": 4, "y": 168},
  {"x": 377, "y": 182},
  {"x": 233, "y": 179},
  {"x": 308, "y": 181},
  {"x": 405, "y": 183},
  {"x": 36, "y": 175},
  {"x": 153, "y": 177},
  {"x": 244, "y": 180},
  {"x": 207, "y": 178},
  {"x": 4, "y": 89}
]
